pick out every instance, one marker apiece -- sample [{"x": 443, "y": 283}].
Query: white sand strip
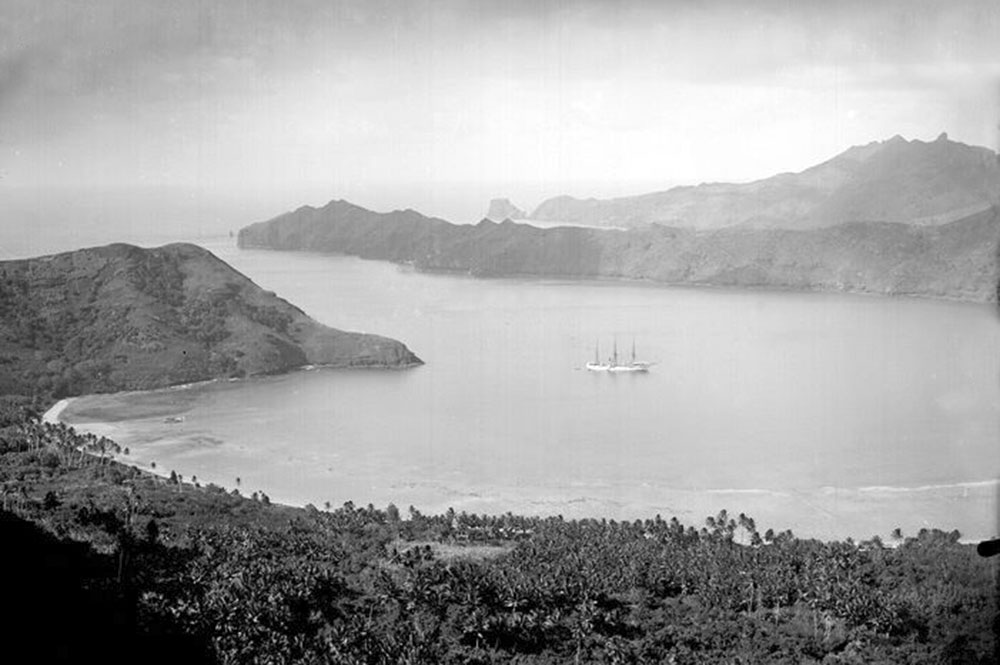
[{"x": 52, "y": 415}]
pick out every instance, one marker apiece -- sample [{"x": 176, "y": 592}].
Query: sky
[{"x": 264, "y": 106}]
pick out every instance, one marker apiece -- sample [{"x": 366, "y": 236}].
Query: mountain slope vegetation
[{"x": 124, "y": 318}]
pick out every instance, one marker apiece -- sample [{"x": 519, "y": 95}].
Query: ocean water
[{"x": 828, "y": 414}]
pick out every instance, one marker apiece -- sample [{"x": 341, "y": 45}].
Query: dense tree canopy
[{"x": 241, "y": 580}]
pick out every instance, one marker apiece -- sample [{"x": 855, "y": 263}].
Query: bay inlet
[{"x": 828, "y": 414}]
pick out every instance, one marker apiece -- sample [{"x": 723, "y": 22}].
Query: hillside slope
[
  {"x": 912, "y": 182},
  {"x": 954, "y": 260},
  {"x": 120, "y": 318}
]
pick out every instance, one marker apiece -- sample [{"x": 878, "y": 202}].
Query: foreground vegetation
[{"x": 116, "y": 564}]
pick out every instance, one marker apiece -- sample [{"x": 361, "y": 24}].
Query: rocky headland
[
  {"x": 121, "y": 317},
  {"x": 501, "y": 209}
]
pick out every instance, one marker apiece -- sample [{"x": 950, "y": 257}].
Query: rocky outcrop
[
  {"x": 501, "y": 209},
  {"x": 954, "y": 260},
  {"x": 121, "y": 318},
  {"x": 910, "y": 182}
]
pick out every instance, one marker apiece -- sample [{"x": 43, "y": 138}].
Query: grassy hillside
[{"x": 123, "y": 318}]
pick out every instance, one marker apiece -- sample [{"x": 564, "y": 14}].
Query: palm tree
[{"x": 748, "y": 526}]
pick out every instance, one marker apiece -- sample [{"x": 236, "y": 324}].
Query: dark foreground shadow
[{"x": 61, "y": 603}]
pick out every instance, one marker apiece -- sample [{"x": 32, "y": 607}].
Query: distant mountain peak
[
  {"x": 501, "y": 209},
  {"x": 339, "y": 203}
]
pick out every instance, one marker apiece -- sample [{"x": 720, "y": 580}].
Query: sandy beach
[
  {"x": 52, "y": 415},
  {"x": 62, "y": 408}
]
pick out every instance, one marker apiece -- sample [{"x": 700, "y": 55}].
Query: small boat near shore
[{"x": 613, "y": 365}]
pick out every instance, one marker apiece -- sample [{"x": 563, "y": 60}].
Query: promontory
[{"x": 121, "y": 317}]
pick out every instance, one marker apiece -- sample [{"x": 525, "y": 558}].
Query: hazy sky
[{"x": 319, "y": 99}]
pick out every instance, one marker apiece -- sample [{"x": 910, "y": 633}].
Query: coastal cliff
[
  {"x": 124, "y": 318},
  {"x": 955, "y": 260}
]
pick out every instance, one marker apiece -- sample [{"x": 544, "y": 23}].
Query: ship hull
[{"x": 596, "y": 367}]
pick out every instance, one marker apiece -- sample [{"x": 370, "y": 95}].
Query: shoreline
[
  {"x": 837, "y": 511},
  {"x": 51, "y": 416},
  {"x": 687, "y": 516},
  {"x": 818, "y": 289},
  {"x": 54, "y": 413},
  {"x": 832, "y": 514}
]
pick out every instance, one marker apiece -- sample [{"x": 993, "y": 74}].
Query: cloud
[
  {"x": 65, "y": 47},
  {"x": 17, "y": 71},
  {"x": 206, "y": 87}
]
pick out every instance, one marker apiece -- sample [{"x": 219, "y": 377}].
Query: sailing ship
[{"x": 613, "y": 365}]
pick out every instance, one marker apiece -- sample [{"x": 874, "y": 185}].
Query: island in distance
[
  {"x": 950, "y": 254},
  {"x": 121, "y": 317}
]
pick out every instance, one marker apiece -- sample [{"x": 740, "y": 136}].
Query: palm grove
[{"x": 194, "y": 572}]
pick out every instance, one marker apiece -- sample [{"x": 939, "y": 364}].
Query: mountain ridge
[{"x": 895, "y": 180}]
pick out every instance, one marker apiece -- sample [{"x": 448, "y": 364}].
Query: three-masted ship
[{"x": 613, "y": 364}]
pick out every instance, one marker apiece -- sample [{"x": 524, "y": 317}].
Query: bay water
[{"x": 833, "y": 415}]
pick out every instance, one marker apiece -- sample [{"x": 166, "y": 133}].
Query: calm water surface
[{"x": 832, "y": 415}]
